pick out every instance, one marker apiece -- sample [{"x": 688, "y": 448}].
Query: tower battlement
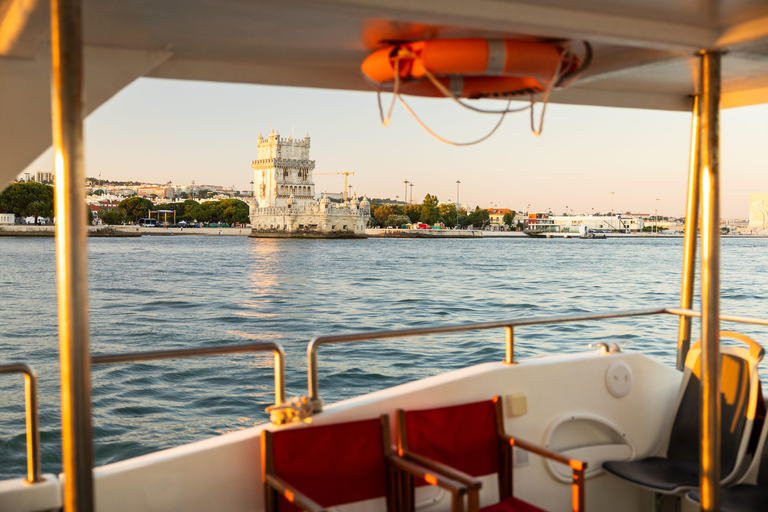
[
  {"x": 275, "y": 146},
  {"x": 282, "y": 169}
]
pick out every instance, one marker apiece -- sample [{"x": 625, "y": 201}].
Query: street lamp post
[
  {"x": 656, "y": 225},
  {"x": 457, "y": 198},
  {"x": 406, "y": 191},
  {"x": 411, "y": 192}
]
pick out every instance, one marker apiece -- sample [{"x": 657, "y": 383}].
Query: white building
[
  {"x": 758, "y": 211},
  {"x": 284, "y": 203},
  {"x": 571, "y": 223},
  {"x": 7, "y": 218}
]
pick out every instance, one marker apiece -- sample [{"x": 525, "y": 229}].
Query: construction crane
[{"x": 345, "y": 180}]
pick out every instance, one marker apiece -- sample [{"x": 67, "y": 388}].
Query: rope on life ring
[{"x": 474, "y": 68}]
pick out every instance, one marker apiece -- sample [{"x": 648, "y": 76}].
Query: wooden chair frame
[
  {"x": 506, "y": 443},
  {"x": 399, "y": 470}
]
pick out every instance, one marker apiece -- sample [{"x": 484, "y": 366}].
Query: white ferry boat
[{"x": 619, "y": 431}]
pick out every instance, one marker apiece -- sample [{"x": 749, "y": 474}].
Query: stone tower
[{"x": 283, "y": 169}]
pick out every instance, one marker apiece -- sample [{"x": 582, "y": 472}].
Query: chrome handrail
[
  {"x": 34, "y": 474},
  {"x": 132, "y": 357},
  {"x": 508, "y": 325}
]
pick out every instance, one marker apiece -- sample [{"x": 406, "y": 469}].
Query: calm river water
[{"x": 171, "y": 292}]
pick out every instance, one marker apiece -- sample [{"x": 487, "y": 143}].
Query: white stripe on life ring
[
  {"x": 456, "y": 85},
  {"x": 497, "y": 56}
]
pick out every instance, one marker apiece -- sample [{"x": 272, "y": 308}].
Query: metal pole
[
  {"x": 510, "y": 356},
  {"x": 689, "y": 244},
  {"x": 457, "y": 199},
  {"x": 71, "y": 253},
  {"x": 710, "y": 281},
  {"x": 406, "y": 192}
]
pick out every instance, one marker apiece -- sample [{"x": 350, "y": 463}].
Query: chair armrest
[
  {"x": 290, "y": 493},
  {"x": 576, "y": 465},
  {"x": 431, "y": 477},
  {"x": 454, "y": 474}
]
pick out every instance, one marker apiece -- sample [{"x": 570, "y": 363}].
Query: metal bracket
[{"x": 294, "y": 409}]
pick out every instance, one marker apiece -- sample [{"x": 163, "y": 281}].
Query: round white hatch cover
[{"x": 618, "y": 379}]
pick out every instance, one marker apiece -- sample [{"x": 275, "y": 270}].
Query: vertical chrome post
[
  {"x": 279, "y": 374},
  {"x": 314, "y": 388},
  {"x": 691, "y": 230},
  {"x": 33, "y": 427},
  {"x": 71, "y": 253},
  {"x": 510, "y": 356},
  {"x": 710, "y": 281}
]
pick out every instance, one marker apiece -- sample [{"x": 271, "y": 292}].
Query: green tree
[
  {"x": 183, "y": 195},
  {"x": 135, "y": 208},
  {"x": 188, "y": 205},
  {"x": 429, "y": 212},
  {"x": 508, "y": 219},
  {"x": 398, "y": 220},
  {"x": 479, "y": 218},
  {"x": 111, "y": 217},
  {"x": 30, "y": 199},
  {"x": 463, "y": 221},
  {"x": 413, "y": 211},
  {"x": 209, "y": 211},
  {"x": 448, "y": 214},
  {"x": 382, "y": 213},
  {"x": 234, "y": 211}
]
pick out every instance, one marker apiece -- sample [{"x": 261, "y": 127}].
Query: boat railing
[
  {"x": 509, "y": 325},
  {"x": 31, "y": 410}
]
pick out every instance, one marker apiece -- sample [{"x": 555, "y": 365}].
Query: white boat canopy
[{"x": 645, "y": 52}]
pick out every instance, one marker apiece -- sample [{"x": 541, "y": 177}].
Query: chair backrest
[
  {"x": 739, "y": 391},
  {"x": 334, "y": 464},
  {"x": 461, "y": 436}
]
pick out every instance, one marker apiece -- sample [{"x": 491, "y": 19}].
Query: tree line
[
  {"x": 230, "y": 211},
  {"x": 36, "y": 200},
  {"x": 431, "y": 212}
]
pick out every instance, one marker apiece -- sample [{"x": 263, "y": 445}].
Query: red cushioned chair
[
  {"x": 311, "y": 468},
  {"x": 466, "y": 441}
]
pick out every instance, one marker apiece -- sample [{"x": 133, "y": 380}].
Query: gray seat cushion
[{"x": 658, "y": 473}]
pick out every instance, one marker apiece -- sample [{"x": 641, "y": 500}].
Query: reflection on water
[{"x": 173, "y": 292}]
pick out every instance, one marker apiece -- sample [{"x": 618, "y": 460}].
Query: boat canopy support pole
[
  {"x": 691, "y": 230},
  {"x": 71, "y": 253},
  {"x": 710, "y": 281}
]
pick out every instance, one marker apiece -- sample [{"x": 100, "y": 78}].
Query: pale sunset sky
[{"x": 161, "y": 130}]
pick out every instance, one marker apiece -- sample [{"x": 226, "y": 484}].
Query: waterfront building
[
  {"x": 496, "y": 215},
  {"x": 38, "y": 176},
  {"x": 571, "y": 223},
  {"x": 758, "y": 212},
  {"x": 284, "y": 203},
  {"x": 7, "y": 218},
  {"x": 160, "y": 192}
]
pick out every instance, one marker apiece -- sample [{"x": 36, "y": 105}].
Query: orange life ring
[{"x": 489, "y": 67}]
